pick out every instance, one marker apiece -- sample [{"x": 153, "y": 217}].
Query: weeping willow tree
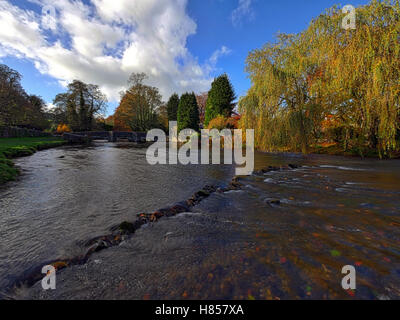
[
  {"x": 327, "y": 71},
  {"x": 279, "y": 104}
]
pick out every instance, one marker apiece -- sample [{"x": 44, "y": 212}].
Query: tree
[
  {"x": 286, "y": 107},
  {"x": 37, "y": 117},
  {"x": 188, "y": 112},
  {"x": 121, "y": 117},
  {"x": 11, "y": 95},
  {"x": 57, "y": 116},
  {"x": 202, "y": 103},
  {"x": 172, "y": 107},
  {"x": 220, "y": 99},
  {"x": 163, "y": 119},
  {"x": 327, "y": 72},
  {"x": 109, "y": 123},
  {"x": 17, "y": 108},
  {"x": 361, "y": 75},
  {"x": 139, "y": 105},
  {"x": 81, "y": 103}
]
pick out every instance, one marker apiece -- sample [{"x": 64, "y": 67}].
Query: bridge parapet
[
  {"x": 111, "y": 136},
  {"x": 75, "y": 138}
]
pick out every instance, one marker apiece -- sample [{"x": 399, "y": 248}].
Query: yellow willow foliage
[
  {"x": 352, "y": 74},
  {"x": 279, "y": 106}
]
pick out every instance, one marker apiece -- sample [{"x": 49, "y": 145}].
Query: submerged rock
[
  {"x": 127, "y": 227},
  {"x": 274, "y": 169},
  {"x": 235, "y": 186},
  {"x": 59, "y": 265},
  {"x": 156, "y": 215},
  {"x": 275, "y": 202}
]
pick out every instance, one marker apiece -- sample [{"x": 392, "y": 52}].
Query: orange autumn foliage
[
  {"x": 330, "y": 122},
  {"x": 221, "y": 123},
  {"x": 62, "y": 128},
  {"x": 121, "y": 117}
]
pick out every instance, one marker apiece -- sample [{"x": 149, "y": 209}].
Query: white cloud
[
  {"x": 103, "y": 43},
  {"x": 218, "y": 54},
  {"x": 243, "y": 10},
  {"x": 211, "y": 64},
  {"x": 50, "y": 106}
]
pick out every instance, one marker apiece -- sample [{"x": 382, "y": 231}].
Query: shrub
[
  {"x": 221, "y": 123},
  {"x": 62, "y": 128}
]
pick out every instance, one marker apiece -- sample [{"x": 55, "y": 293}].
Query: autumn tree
[
  {"x": 163, "y": 118},
  {"x": 220, "y": 100},
  {"x": 286, "y": 109},
  {"x": 109, "y": 123},
  {"x": 188, "y": 112},
  {"x": 17, "y": 108},
  {"x": 202, "y": 103},
  {"x": 327, "y": 72},
  {"x": 11, "y": 95},
  {"x": 139, "y": 105},
  {"x": 361, "y": 74}
]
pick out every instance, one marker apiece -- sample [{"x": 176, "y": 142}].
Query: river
[{"x": 332, "y": 212}]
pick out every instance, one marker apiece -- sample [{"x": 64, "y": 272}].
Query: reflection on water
[{"x": 286, "y": 235}]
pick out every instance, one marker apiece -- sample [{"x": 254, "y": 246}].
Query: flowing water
[{"x": 244, "y": 244}]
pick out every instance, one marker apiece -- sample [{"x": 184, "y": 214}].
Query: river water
[{"x": 333, "y": 212}]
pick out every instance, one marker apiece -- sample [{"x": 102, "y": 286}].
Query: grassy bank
[{"x": 20, "y": 147}]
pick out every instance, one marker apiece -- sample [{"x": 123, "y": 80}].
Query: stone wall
[{"x": 15, "y": 132}]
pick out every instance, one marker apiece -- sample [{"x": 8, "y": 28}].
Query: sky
[{"x": 182, "y": 45}]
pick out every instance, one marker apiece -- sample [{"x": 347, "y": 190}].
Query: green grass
[{"x": 20, "y": 147}]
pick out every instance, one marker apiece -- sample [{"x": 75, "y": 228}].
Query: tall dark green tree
[
  {"x": 188, "y": 112},
  {"x": 220, "y": 99},
  {"x": 172, "y": 107}
]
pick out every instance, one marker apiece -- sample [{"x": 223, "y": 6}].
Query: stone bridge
[{"x": 111, "y": 136}]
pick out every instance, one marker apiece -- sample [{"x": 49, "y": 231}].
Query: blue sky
[{"x": 180, "y": 44}]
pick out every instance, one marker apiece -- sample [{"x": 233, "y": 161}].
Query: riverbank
[
  {"x": 21, "y": 147},
  {"x": 334, "y": 149}
]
